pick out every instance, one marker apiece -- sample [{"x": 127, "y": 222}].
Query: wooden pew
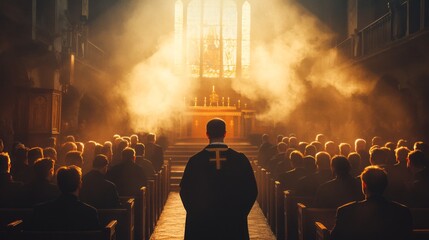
[
  {"x": 322, "y": 233},
  {"x": 8, "y": 215},
  {"x": 124, "y": 217},
  {"x": 279, "y": 211},
  {"x": 291, "y": 213},
  {"x": 260, "y": 185},
  {"x": 271, "y": 202},
  {"x": 264, "y": 191},
  {"x": 140, "y": 213},
  {"x": 307, "y": 218},
  {"x": 15, "y": 231},
  {"x": 150, "y": 213}
]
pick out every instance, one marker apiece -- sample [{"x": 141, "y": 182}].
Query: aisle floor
[{"x": 171, "y": 223}]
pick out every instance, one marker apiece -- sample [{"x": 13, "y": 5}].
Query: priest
[{"x": 218, "y": 189}]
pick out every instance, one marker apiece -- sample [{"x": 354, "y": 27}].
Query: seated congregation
[
  {"x": 113, "y": 190},
  {"x": 324, "y": 190}
]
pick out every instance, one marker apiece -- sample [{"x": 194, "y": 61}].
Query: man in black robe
[{"x": 218, "y": 189}]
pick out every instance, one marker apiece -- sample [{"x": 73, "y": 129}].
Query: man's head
[
  {"x": 374, "y": 180},
  {"x": 140, "y": 149},
  {"x": 401, "y": 154},
  {"x": 151, "y": 138},
  {"x": 74, "y": 158},
  {"x": 360, "y": 145},
  {"x": 34, "y": 154},
  {"x": 296, "y": 159},
  {"x": 216, "y": 129},
  {"x": 281, "y": 147},
  {"x": 323, "y": 160},
  {"x": 44, "y": 168},
  {"x": 50, "y": 152},
  {"x": 134, "y": 139},
  {"x": 4, "y": 163},
  {"x": 128, "y": 154},
  {"x": 378, "y": 157},
  {"x": 416, "y": 160},
  {"x": 100, "y": 163},
  {"x": 69, "y": 179},
  {"x": 340, "y": 166}
]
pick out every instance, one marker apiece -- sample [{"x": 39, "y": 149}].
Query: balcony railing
[
  {"x": 83, "y": 49},
  {"x": 410, "y": 18}
]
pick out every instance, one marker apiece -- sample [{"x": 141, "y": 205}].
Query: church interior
[{"x": 95, "y": 68}]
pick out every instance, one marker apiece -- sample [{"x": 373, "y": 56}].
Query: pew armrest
[
  {"x": 110, "y": 230},
  {"x": 322, "y": 233}
]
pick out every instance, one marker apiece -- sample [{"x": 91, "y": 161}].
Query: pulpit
[{"x": 39, "y": 115}]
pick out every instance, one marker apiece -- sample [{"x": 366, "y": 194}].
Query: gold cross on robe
[{"x": 217, "y": 158}]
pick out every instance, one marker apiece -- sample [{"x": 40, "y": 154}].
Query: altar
[{"x": 239, "y": 119}]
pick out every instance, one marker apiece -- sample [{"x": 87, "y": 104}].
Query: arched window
[{"x": 214, "y": 36}]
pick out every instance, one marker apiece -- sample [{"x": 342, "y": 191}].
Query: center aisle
[{"x": 171, "y": 224}]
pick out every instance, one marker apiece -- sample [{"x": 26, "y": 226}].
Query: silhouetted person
[
  {"x": 96, "y": 190},
  {"x": 74, "y": 158},
  {"x": 65, "y": 148},
  {"x": 308, "y": 185},
  {"x": 19, "y": 163},
  {"x": 419, "y": 185},
  {"x": 121, "y": 144},
  {"x": 41, "y": 188},
  {"x": 345, "y": 149},
  {"x": 342, "y": 189},
  {"x": 134, "y": 139},
  {"x": 331, "y": 148},
  {"x": 361, "y": 148},
  {"x": 265, "y": 151},
  {"x": 33, "y": 155},
  {"x": 399, "y": 171},
  {"x": 310, "y": 150},
  {"x": 272, "y": 165},
  {"x": 377, "y": 141},
  {"x": 218, "y": 189},
  {"x": 374, "y": 218},
  {"x": 127, "y": 175},
  {"x": 147, "y": 165},
  {"x": 321, "y": 138},
  {"x": 355, "y": 164},
  {"x": 66, "y": 213},
  {"x": 88, "y": 155},
  {"x": 154, "y": 152},
  {"x": 290, "y": 178},
  {"x": 9, "y": 189}
]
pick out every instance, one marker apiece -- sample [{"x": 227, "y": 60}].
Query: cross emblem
[{"x": 217, "y": 158}]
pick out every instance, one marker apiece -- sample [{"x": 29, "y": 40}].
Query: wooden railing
[{"x": 410, "y": 18}]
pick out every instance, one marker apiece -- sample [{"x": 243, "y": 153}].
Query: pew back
[
  {"x": 124, "y": 217},
  {"x": 291, "y": 213},
  {"x": 15, "y": 231},
  {"x": 307, "y": 218}
]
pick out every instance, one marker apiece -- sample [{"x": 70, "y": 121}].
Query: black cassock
[{"x": 217, "y": 201}]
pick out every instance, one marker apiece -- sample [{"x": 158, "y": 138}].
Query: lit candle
[
  {"x": 223, "y": 101},
  {"x": 228, "y": 102},
  {"x": 195, "y": 101},
  {"x": 205, "y": 101}
]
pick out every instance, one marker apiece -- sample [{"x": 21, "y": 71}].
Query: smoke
[
  {"x": 291, "y": 59},
  {"x": 154, "y": 92},
  {"x": 294, "y": 70}
]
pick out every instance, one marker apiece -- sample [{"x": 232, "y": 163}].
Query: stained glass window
[{"x": 211, "y": 48}]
